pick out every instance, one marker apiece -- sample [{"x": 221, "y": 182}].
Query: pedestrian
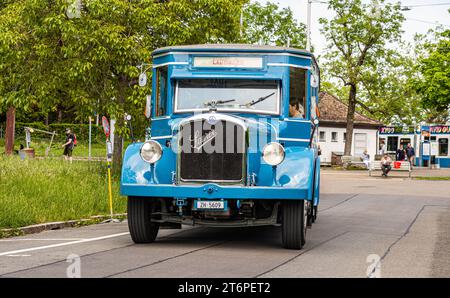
[
  {"x": 386, "y": 165},
  {"x": 382, "y": 148},
  {"x": 410, "y": 152},
  {"x": 366, "y": 158},
  {"x": 400, "y": 154},
  {"x": 68, "y": 145}
]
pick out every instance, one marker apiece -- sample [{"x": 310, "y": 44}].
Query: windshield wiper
[
  {"x": 253, "y": 102},
  {"x": 214, "y": 103}
]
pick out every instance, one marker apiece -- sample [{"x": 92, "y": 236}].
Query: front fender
[
  {"x": 137, "y": 171},
  {"x": 296, "y": 171}
]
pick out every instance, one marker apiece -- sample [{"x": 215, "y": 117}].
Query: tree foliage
[
  {"x": 87, "y": 52},
  {"x": 358, "y": 36},
  {"x": 433, "y": 84},
  {"x": 271, "y": 25}
]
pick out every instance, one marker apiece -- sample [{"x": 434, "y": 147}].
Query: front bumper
[{"x": 214, "y": 191}]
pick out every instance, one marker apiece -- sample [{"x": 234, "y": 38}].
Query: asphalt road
[{"x": 382, "y": 227}]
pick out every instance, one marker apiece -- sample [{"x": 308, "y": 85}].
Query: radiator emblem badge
[{"x": 200, "y": 140}]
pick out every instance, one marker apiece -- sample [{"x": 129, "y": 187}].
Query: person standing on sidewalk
[
  {"x": 411, "y": 154},
  {"x": 68, "y": 145}
]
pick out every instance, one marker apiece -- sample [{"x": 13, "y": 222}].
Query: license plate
[{"x": 210, "y": 205}]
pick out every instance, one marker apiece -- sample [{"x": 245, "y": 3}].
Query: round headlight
[
  {"x": 273, "y": 154},
  {"x": 151, "y": 151}
]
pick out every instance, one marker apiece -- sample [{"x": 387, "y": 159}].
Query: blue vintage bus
[{"x": 233, "y": 142}]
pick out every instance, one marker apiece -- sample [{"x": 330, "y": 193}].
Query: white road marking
[
  {"x": 37, "y": 239},
  {"x": 18, "y": 255},
  {"x": 61, "y": 244}
]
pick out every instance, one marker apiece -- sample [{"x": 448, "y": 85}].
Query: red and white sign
[{"x": 105, "y": 124}]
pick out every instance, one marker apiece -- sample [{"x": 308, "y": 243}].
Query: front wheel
[
  {"x": 293, "y": 227},
  {"x": 142, "y": 229}
]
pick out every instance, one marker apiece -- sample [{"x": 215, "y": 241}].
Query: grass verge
[
  {"x": 432, "y": 178},
  {"x": 36, "y": 191}
]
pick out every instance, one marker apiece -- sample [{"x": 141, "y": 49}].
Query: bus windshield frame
[{"x": 191, "y": 95}]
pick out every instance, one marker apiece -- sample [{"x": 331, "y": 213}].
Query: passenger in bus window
[{"x": 296, "y": 109}]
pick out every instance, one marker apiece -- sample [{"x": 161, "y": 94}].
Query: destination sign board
[{"x": 231, "y": 62}]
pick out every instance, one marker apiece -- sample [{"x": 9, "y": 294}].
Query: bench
[
  {"x": 353, "y": 160},
  {"x": 404, "y": 166}
]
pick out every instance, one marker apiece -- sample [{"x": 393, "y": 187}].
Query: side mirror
[
  {"x": 314, "y": 81},
  {"x": 148, "y": 106},
  {"x": 316, "y": 121}
]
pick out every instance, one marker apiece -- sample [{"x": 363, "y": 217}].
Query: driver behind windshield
[{"x": 296, "y": 109}]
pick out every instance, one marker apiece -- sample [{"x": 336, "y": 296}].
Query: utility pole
[{"x": 308, "y": 27}]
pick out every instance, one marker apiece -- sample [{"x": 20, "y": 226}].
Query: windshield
[{"x": 257, "y": 96}]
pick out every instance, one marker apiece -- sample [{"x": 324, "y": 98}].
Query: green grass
[
  {"x": 37, "y": 191},
  {"x": 432, "y": 178}
]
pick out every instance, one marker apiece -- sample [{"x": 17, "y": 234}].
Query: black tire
[
  {"x": 142, "y": 229},
  {"x": 293, "y": 227}
]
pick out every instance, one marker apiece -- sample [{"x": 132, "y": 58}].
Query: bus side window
[
  {"x": 161, "y": 91},
  {"x": 297, "y": 92}
]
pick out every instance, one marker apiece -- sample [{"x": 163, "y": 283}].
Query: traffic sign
[{"x": 105, "y": 124}]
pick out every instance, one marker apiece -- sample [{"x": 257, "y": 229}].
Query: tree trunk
[
  {"x": 350, "y": 119},
  {"x": 60, "y": 116},
  {"x": 118, "y": 135},
  {"x": 10, "y": 130}
]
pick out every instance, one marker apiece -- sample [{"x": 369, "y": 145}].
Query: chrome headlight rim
[
  {"x": 265, "y": 155},
  {"x": 157, "y": 154}
]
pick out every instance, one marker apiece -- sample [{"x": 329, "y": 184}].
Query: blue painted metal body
[{"x": 297, "y": 177}]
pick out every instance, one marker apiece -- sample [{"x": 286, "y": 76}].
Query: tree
[
  {"x": 433, "y": 84},
  {"x": 385, "y": 92},
  {"x": 358, "y": 35},
  {"x": 89, "y": 57},
  {"x": 272, "y": 25}
]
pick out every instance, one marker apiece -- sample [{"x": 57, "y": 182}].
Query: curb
[{"x": 38, "y": 228}]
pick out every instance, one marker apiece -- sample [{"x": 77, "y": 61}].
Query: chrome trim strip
[
  {"x": 170, "y": 63},
  {"x": 161, "y": 137},
  {"x": 299, "y": 120},
  {"x": 292, "y": 140},
  {"x": 160, "y": 118},
  {"x": 232, "y": 53},
  {"x": 287, "y": 64}
]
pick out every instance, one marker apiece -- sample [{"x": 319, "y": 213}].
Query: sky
[{"x": 428, "y": 16}]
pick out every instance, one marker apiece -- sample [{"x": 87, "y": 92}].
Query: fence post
[
  {"x": 90, "y": 138},
  {"x": 10, "y": 125}
]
